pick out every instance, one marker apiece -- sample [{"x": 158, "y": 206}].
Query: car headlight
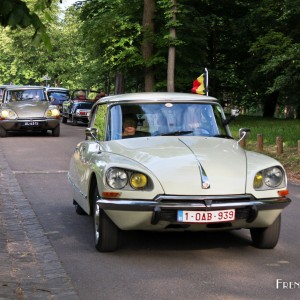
[
  {"x": 116, "y": 178},
  {"x": 52, "y": 113},
  {"x": 138, "y": 180},
  {"x": 7, "y": 114},
  {"x": 269, "y": 178}
]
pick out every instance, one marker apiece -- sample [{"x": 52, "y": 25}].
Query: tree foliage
[{"x": 251, "y": 48}]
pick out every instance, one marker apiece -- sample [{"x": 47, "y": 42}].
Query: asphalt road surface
[{"x": 148, "y": 265}]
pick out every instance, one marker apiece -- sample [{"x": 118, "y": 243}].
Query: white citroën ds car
[{"x": 159, "y": 161}]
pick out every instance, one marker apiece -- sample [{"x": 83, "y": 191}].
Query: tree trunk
[
  {"x": 270, "y": 105},
  {"x": 298, "y": 112},
  {"x": 147, "y": 45},
  {"x": 171, "y": 56},
  {"x": 119, "y": 83}
]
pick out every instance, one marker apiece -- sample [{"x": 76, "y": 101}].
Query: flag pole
[{"x": 206, "y": 79}]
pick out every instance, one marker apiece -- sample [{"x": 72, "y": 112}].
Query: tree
[
  {"x": 16, "y": 13},
  {"x": 147, "y": 44}
]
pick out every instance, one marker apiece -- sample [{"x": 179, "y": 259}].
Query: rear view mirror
[
  {"x": 91, "y": 132},
  {"x": 243, "y": 133}
]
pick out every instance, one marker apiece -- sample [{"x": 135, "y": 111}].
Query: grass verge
[{"x": 289, "y": 130}]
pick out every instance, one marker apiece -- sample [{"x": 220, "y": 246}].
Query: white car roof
[
  {"x": 24, "y": 87},
  {"x": 156, "y": 97},
  {"x": 56, "y": 89}
]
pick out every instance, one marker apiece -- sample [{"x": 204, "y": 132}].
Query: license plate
[
  {"x": 214, "y": 216},
  {"x": 32, "y": 123}
]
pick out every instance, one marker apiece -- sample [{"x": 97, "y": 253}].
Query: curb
[{"x": 30, "y": 267}]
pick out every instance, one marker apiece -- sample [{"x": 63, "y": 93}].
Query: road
[{"x": 149, "y": 265}]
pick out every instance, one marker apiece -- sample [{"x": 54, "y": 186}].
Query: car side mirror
[
  {"x": 243, "y": 133},
  {"x": 91, "y": 132}
]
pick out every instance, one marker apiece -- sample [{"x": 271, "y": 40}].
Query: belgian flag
[{"x": 199, "y": 85}]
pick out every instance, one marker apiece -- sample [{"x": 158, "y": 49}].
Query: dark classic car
[
  {"x": 78, "y": 107},
  {"x": 26, "y": 108},
  {"x": 57, "y": 96},
  {"x": 168, "y": 161}
]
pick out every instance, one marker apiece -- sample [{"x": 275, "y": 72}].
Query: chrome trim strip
[{"x": 143, "y": 205}]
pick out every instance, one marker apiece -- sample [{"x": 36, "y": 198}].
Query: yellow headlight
[
  {"x": 138, "y": 180},
  {"x": 52, "y": 113},
  {"x": 258, "y": 180},
  {"x": 4, "y": 114},
  {"x": 7, "y": 114}
]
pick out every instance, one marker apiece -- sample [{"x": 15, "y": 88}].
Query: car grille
[{"x": 247, "y": 212}]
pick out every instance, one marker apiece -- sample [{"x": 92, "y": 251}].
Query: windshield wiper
[{"x": 178, "y": 132}]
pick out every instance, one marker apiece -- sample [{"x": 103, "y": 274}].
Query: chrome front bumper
[
  {"x": 204, "y": 203},
  {"x": 164, "y": 208}
]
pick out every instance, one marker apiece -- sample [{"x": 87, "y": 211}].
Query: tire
[
  {"x": 266, "y": 238},
  {"x": 3, "y": 132},
  {"x": 79, "y": 210},
  {"x": 56, "y": 131},
  {"x": 64, "y": 120},
  {"x": 74, "y": 121},
  {"x": 105, "y": 231}
]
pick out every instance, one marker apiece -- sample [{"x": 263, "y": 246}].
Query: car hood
[
  {"x": 29, "y": 109},
  {"x": 176, "y": 162}
]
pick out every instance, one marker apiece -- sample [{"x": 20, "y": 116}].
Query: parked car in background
[
  {"x": 2, "y": 88},
  {"x": 168, "y": 161},
  {"x": 78, "y": 108},
  {"x": 57, "y": 96},
  {"x": 26, "y": 108}
]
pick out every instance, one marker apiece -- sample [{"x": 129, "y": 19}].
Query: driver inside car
[{"x": 129, "y": 126}]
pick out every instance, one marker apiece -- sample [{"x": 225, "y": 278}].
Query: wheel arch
[{"x": 92, "y": 183}]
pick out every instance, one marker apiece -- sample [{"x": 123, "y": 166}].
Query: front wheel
[
  {"x": 266, "y": 238},
  {"x": 3, "y": 132},
  {"x": 106, "y": 232},
  {"x": 74, "y": 121},
  {"x": 64, "y": 119},
  {"x": 56, "y": 131}
]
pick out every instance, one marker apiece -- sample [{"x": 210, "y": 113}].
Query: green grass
[{"x": 288, "y": 130}]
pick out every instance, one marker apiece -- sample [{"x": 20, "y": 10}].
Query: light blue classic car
[{"x": 167, "y": 161}]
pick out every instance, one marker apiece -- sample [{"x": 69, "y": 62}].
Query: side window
[
  {"x": 100, "y": 121},
  {"x": 219, "y": 115}
]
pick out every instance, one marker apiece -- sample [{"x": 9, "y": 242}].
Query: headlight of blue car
[
  {"x": 8, "y": 114},
  {"x": 269, "y": 178}
]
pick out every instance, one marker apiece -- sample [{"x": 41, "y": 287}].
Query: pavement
[{"x": 29, "y": 265}]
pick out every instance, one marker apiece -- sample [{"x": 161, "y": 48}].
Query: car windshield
[
  {"x": 25, "y": 95},
  {"x": 57, "y": 95},
  {"x": 165, "y": 119}
]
